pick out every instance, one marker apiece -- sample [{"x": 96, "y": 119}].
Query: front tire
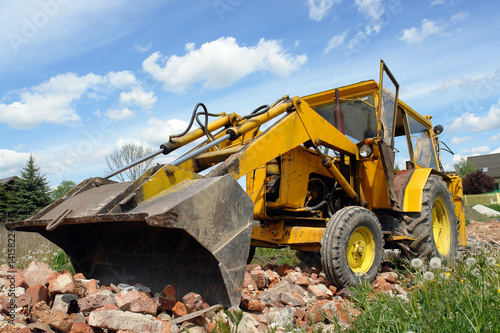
[
  {"x": 435, "y": 229},
  {"x": 352, "y": 247}
]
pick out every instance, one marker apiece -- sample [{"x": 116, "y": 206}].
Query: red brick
[
  {"x": 124, "y": 301},
  {"x": 38, "y": 293},
  {"x": 79, "y": 276},
  {"x": 288, "y": 299},
  {"x": 299, "y": 313},
  {"x": 179, "y": 310},
  {"x": 249, "y": 283},
  {"x": 390, "y": 277},
  {"x": 259, "y": 278},
  {"x": 21, "y": 281},
  {"x": 40, "y": 311},
  {"x": 283, "y": 270},
  {"x": 81, "y": 328},
  {"x": 59, "y": 321},
  {"x": 314, "y": 315},
  {"x": 116, "y": 320},
  {"x": 333, "y": 289},
  {"x": 23, "y": 330},
  {"x": 252, "y": 305},
  {"x": 144, "y": 306},
  {"x": 302, "y": 280},
  {"x": 4, "y": 303},
  {"x": 95, "y": 301},
  {"x": 320, "y": 292},
  {"x": 23, "y": 301},
  {"x": 107, "y": 307},
  {"x": 381, "y": 284},
  {"x": 164, "y": 304},
  {"x": 272, "y": 278},
  {"x": 170, "y": 294},
  {"x": 252, "y": 267},
  {"x": 37, "y": 273},
  {"x": 194, "y": 302},
  {"x": 92, "y": 287},
  {"x": 61, "y": 283}
]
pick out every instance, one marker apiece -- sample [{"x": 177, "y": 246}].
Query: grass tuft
[{"x": 458, "y": 298}]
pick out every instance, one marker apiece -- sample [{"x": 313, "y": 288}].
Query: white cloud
[
  {"x": 336, "y": 41},
  {"x": 131, "y": 141},
  {"x": 496, "y": 151},
  {"x": 481, "y": 86},
  {"x": 138, "y": 97},
  {"x": 416, "y": 35},
  {"x": 220, "y": 63},
  {"x": 11, "y": 162},
  {"x": 372, "y": 9},
  {"x": 53, "y": 101},
  {"x": 495, "y": 137},
  {"x": 477, "y": 150},
  {"x": 117, "y": 115},
  {"x": 459, "y": 16},
  {"x": 475, "y": 123},
  {"x": 456, "y": 140},
  {"x": 318, "y": 9},
  {"x": 121, "y": 79},
  {"x": 141, "y": 49},
  {"x": 158, "y": 131},
  {"x": 437, "y": 2}
]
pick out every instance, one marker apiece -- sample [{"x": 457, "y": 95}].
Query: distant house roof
[
  {"x": 8, "y": 180},
  {"x": 489, "y": 164}
]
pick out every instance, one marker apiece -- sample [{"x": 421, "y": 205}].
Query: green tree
[
  {"x": 31, "y": 190},
  {"x": 464, "y": 167},
  {"x": 62, "y": 189},
  {"x": 6, "y": 202}
]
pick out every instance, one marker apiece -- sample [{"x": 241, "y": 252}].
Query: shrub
[{"x": 478, "y": 182}]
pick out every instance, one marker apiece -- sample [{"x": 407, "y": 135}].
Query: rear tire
[
  {"x": 352, "y": 247},
  {"x": 307, "y": 258},
  {"x": 251, "y": 254},
  {"x": 435, "y": 229}
]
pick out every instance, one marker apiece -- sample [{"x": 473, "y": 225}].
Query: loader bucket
[{"x": 171, "y": 227}]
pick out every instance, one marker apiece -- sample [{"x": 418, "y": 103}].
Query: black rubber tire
[
  {"x": 420, "y": 226},
  {"x": 307, "y": 258},
  {"x": 335, "y": 242},
  {"x": 251, "y": 254}
]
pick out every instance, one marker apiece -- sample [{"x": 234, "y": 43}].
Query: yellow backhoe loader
[{"x": 321, "y": 179}]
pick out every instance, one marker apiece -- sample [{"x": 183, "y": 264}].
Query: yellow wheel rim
[
  {"x": 361, "y": 250},
  {"x": 441, "y": 226}
]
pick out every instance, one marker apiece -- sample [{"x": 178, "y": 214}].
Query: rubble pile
[{"x": 274, "y": 298}]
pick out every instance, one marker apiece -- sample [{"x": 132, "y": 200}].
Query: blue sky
[{"x": 78, "y": 79}]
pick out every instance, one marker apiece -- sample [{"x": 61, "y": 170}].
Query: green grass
[
  {"x": 473, "y": 215},
  {"x": 278, "y": 257},
  {"x": 495, "y": 207},
  {"x": 467, "y": 299}
]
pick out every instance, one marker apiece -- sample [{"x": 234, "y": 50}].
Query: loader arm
[{"x": 294, "y": 129}]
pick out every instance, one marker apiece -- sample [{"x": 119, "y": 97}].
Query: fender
[{"x": 414, "y": 190}]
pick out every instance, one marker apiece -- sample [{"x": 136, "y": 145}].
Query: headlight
[{"x": 365, "y": 151}]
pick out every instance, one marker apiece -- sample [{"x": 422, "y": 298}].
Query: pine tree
[
  {"x": 4, "y": 202},
  {"x": 31, "y": 190}
]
